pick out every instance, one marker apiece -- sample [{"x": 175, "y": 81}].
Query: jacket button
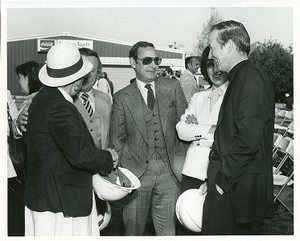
[{"x": 147, "y": 161}]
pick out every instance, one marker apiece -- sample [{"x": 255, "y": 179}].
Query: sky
[{"x": 162, "y": 25}]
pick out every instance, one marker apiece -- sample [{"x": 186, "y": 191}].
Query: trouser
[
  {"x": 218, "y": 215},
  {"x": 158, "y": 194}
]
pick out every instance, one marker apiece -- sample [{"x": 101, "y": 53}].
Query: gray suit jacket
[
  {"x": 128, "y": 130},
  {"x": 98, "y": 124}
]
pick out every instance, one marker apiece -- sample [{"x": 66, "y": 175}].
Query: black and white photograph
[{"x": 149, "y": 118}]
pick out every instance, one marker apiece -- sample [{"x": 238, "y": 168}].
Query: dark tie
[
  {"x": 150, "y": 97},
  {"x": 87, "y": 103}
]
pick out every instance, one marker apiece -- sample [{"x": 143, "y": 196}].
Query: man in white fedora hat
[{"x": 61, "y": 154}]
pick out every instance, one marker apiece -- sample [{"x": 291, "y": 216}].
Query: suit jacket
[
  {"x": 61, "y": 157},
  {"x": 98, "y": 124},
  {"x": 128, "y": 130},
  {"x": 188, "y": 84},
  {"x": 244, "y": 141},
  {"x": 196, "y": 161}
]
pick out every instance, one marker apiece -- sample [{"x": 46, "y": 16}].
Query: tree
[
  {"x": 214, "y": 18},
  {"x": 278, "y": 63}
]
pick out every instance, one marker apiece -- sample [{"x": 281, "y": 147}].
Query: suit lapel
[
  {"x": 134, "y": 104},
  {"x": 162, "y": 99}
]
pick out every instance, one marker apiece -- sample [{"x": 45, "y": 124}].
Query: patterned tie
[
  {"x": 87, "y": 103},
  {"x": 150, "y": 97}
]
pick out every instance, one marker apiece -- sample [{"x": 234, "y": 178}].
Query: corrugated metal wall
[{"x": 19, "y": 52}]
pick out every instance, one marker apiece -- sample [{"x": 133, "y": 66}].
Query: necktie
[
  {"x": 150, "y": 97},
  {"x": 87, "y": 103}
]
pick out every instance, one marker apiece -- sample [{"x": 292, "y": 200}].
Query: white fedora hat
[{"x": 64, "y": 65}]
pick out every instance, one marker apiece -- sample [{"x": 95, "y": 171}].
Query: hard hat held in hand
[
  {"x": 189, "y": 209},
  {"x": 116, "y": 185}
]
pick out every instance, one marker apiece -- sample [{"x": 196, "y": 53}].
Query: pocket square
[{"x": 172, "y": 103}]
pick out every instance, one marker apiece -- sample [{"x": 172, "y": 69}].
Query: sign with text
[{"x": 45, "y": 44}]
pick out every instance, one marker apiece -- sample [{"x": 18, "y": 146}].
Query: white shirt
[
  {"x": 65, "y": 94},
  {"x": 143, "y": 90}
]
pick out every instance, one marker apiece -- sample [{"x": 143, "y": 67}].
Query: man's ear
[
  {"x": 231, "y": 46},
  {"x": 132, "y": 62}
]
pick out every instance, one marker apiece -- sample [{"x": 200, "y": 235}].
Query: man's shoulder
[{"x": 100, "y": 94}]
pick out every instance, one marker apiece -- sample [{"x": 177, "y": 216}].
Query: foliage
[
  {"x": 278, "y": 63},
  {"x": 202, "y": 42}
]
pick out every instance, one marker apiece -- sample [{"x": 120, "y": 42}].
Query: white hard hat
[
  {"x": 109, "y": 191},
  {"x": 189, "y": 209},
  {"x": 104, "y": 218}
]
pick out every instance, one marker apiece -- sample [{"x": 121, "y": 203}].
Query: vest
[{"x": 156, "y": 143}]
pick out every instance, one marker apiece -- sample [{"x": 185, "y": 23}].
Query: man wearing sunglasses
[{"x": 143, "y": 133}]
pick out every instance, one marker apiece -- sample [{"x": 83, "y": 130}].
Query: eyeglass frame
[{"x": 152, "y": 59}]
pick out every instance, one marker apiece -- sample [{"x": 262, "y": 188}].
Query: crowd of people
[{"x": 172, "y": 134}]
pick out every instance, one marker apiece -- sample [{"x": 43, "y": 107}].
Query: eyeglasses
[{"x": 148, "y": 60}]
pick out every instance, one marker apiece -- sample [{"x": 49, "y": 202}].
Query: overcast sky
[{"x": 160, "y": 25}]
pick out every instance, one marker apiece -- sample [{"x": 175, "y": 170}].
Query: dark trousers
[{"x": 218, "y": 215}]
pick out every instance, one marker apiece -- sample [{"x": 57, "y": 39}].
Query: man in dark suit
[
  {"x": 240, "y": 180},
  {"x": 62, "y": 156},
  {"x": 143, "y": 133}
]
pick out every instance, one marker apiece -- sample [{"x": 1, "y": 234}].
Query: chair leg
[{"x": 284, "y": 185}]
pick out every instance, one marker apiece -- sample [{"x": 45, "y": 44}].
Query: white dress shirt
[{"x": 143, "y": 90}]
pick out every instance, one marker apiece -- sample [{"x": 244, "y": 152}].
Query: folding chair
[
  {"x": 288, "y": 117},
  {"x": 289, "y": 130},
  {"x": 283, "y": 145},
  {"x": 281, "y": 114},
  {"x": 288, "y": 177},
  {"x": 277, "y": 138}
]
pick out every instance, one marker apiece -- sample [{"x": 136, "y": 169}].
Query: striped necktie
[
  {"x": 87, "y": 103},
  {"x": 150, "y": 97}
]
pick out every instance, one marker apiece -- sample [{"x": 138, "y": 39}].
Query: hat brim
[{"x": 57, "y": 82}]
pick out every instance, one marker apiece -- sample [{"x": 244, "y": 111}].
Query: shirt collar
[
  {"x": 65, "y": 94},
  {"x": 141, "y": 84}
]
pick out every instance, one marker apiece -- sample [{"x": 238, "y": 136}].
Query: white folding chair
[
  {"x": 283, "y": 145},
  {"x": 277, "y": 138},
  {"x": 289, "y": 115},
  {"x": 281, "y": 114},
  {"x": 289, "y": 129},
  {"x": 287, "y": 178}
]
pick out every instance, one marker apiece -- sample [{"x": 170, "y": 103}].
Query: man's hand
[
  {"x": 191, "y": 119},
  {"x": 115, "y": 157},
  {"x": 203, "y": 188}
]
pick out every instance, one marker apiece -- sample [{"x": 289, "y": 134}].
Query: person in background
[
  {"x": 62, "y": 156},
  {"x": 103, "y": 83},
  {"x": 188, "y": 79},
  {"x": 170, "y": 73},
  {"x": 240, "y": 176},
  {"x": 143, "y": 133},
  {"x": 198, "y": 123},
  {"x": 29, "y": 81},
  {"x": 12, "y": 114}
]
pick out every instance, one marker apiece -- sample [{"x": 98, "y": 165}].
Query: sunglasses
[{"x": 148, "y": 60}]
